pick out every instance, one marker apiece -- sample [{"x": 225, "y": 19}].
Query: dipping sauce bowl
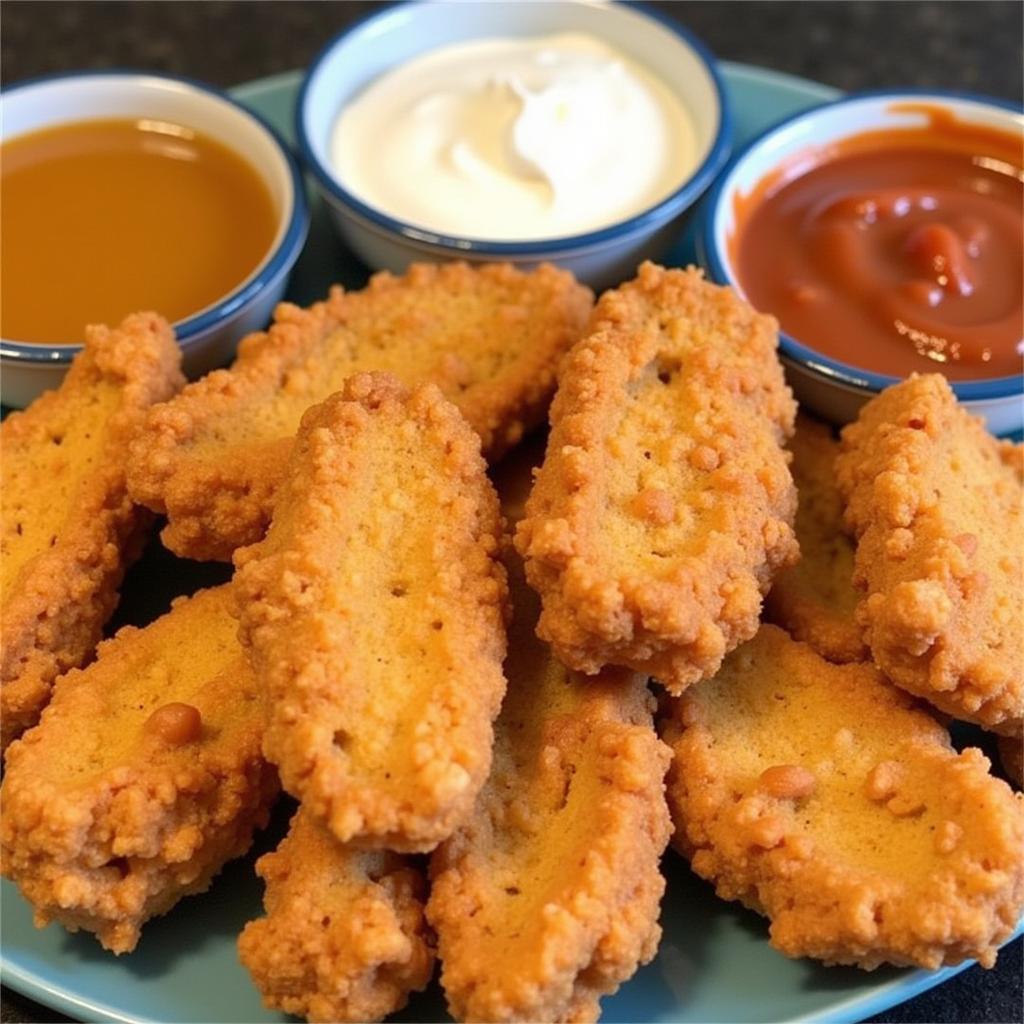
[
  {"x": 602, "y": 254},
  {"x": 166, "y": 105},
  {"x": 886, "y": 232}
]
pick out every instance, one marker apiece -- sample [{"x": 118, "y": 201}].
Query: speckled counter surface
[
  {"x": 973, "y": 46},
  {"x": 851, "y": 45}
]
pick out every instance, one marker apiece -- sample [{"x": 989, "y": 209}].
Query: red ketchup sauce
[{"x": 895, "y": 250}]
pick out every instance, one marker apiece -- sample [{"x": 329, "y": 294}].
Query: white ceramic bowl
[
  {"x": 208, "y": 337},
  {"x": 394, "y": 34},
  {"x": 835, "y": 390}
]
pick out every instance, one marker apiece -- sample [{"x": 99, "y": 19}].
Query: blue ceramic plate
[{"x": 714, "y": 963}]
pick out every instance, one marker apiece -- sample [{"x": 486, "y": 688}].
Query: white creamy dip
[{"x": 512, "y": 139}]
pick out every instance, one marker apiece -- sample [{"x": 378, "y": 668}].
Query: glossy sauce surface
[
  {"x": 515, "y": 138},
  {"x": 896, "y": 250},
  {"x": 101, "y": 218}
]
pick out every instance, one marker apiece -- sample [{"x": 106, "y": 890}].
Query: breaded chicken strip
[
  {"x": 547, "y": 898},
  {"x": 664, "y": 506},
  {"x": 69, "y": 528},
  {"x": 937, "y": 506},
  {"x": 373, "y": 616},
  {"x": 344, "y": 938},
  {"x": 490, "y": 337},
  {"x": 143, "y": 777},
  {"x": 814, "y": 600},
  {"x": 820, "y": 796}
]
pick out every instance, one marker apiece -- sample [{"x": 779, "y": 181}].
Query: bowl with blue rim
[
  {"x": 393, "y": 35},
  {"x": 833, "y": 387},
  {"x": 208, "y": 336}
]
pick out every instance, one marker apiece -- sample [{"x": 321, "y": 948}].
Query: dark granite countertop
[{"x": 974, "y": 46}]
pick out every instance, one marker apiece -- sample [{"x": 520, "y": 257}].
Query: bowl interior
[
  {"x": 61, "y": 100},
  {"x": 402, "y": 32},
  {"x": 817, "y": 129}
]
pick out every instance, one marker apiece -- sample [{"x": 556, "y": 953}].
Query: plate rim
[
  {"x": 854, "y": 1008},
  {"x": 33, "y": 986}
]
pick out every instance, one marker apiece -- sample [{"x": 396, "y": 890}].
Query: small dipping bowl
[
  {"x": 387, "y": 38},
  {"x": 207, "y": 337},
  {"x": 834, "y": 389}
]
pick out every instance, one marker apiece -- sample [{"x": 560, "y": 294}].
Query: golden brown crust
[
  {"x": 344, "y": 937},
  {"x": 107, "y": 821},
  {"x": 814, "y": 600},
  {"x": 547, "y": 898},
  {"x": 490, "y": 337},
  {"x": 664, "y": 506},
  {"x": 373, "y": 616},
  {"x": 820, "y": 796},
  {"x": 69, "y": 527},
  {"x": 937, "y": 506}
]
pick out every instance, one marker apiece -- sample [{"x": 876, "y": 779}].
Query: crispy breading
[
  {"x": 937, "y": 506},
  {"x": 490, "y": 337},
  {"x": 143, "y": 777},
  {"x": 822, "y": 797},
  {"x": 344, "y": 937},
  {"x": 547, "y": 898},
  {"x": 373, "y": 616},
  {"x": 665, "y": 505},
  {"x": 814, "y": 600},
  {"x": 69, "y": 528}
]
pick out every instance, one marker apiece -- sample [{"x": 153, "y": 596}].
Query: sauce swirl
[
  {"x": 897, "y": 250},
  {"x": 513, "y": 139}
]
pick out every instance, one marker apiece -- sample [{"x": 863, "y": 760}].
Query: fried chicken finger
[
  {"x": 822, "y": 797},
  {"x": 490, "y": 337},
  {"x": 937, "y": 506},
  {"x": 69, "y": 528},
  {"x": 373, "y": 616},
  {"x": 547, "y": 898},
  {"x": 143, "y": 777},
  {"x": 665, "y": 505},
  {"x": 344, "y": 937}
]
